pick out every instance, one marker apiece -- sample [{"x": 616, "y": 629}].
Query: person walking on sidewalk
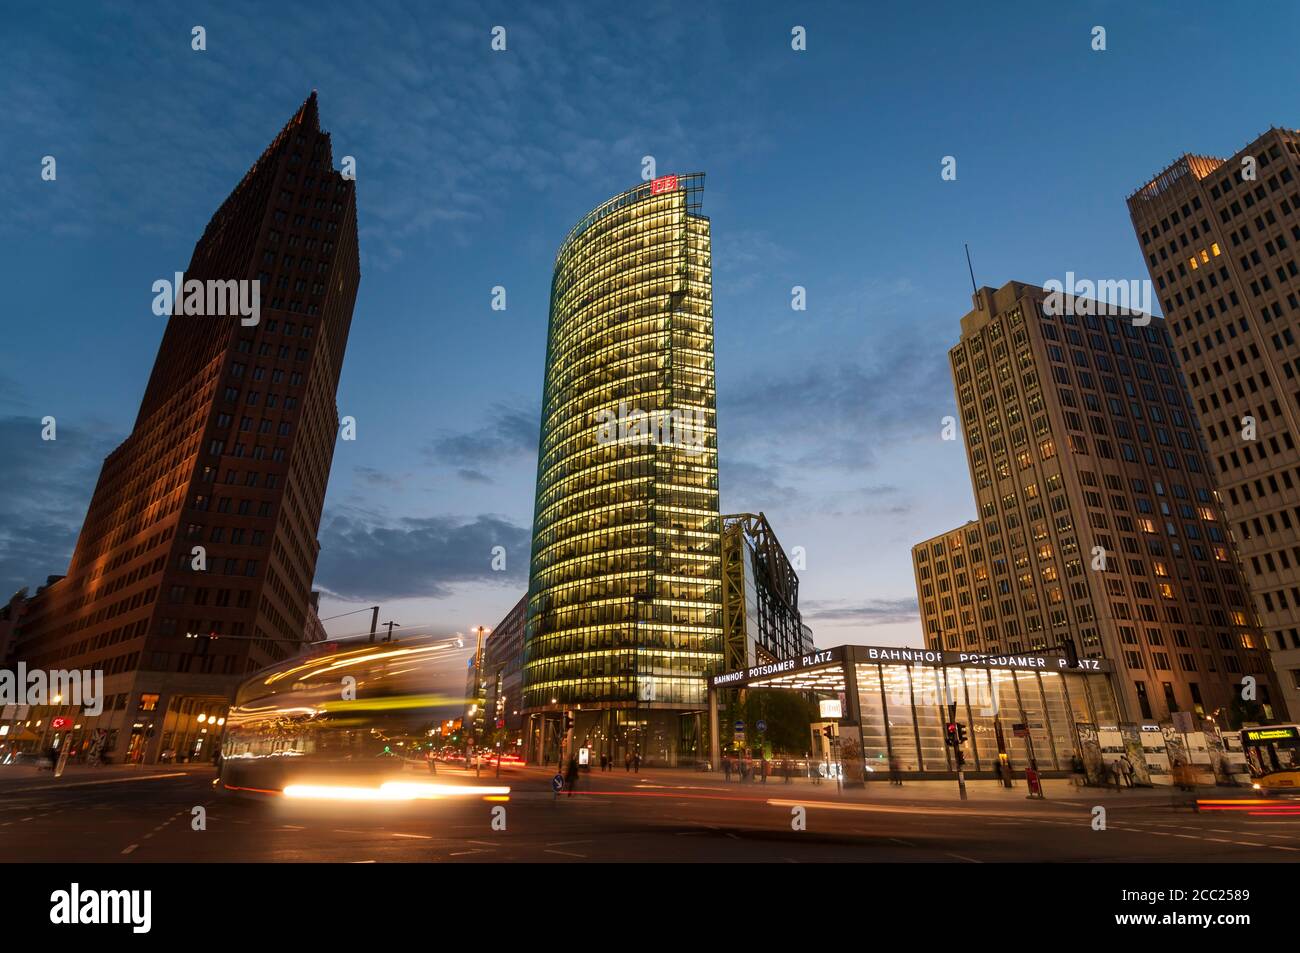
[
  {"x": 1126, "y": 769},
  {"x": 571, "y": 774},
  {"x": 726, "y": 770}
]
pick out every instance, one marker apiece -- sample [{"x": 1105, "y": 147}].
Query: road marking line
[
  {"x": 416, "y": 836},
  {"x": 566, "y": 853},
  {"x": 131, "y": 848},
  {"x": 971, "y": 860}
]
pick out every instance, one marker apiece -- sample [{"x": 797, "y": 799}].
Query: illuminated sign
[
  {"x": 1256, "y": 735},
  {"x": 58, "y": 724},
  {"x": 928, "y": 656},
  {"x": 665, "y": 183},
  {"x": 830, "y": 708},
  {"x": 887, "y": 655},
  {"x": 1043, "y": 662}
]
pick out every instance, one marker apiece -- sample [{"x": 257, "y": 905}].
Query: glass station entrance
[{"x": 896, "y": 703}]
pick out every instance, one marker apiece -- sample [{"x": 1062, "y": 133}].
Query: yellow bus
[{"x": 1273, "y": 756}]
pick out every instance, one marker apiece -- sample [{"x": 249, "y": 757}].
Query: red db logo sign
[{"x": 665, "y": 183}]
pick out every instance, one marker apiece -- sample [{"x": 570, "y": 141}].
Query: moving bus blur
[
  {"x": 348, "y": 723},
  {"x": 1273, "y": 756}
]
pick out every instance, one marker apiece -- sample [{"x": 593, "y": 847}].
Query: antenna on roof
[{"x": 971, "y": 268}]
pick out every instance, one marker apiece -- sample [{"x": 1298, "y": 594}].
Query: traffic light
[
  {"x": 828, "y": 731},
  {"x": 1071, "y": 653},
  {"x": 950, "y": 734},
  {"x": 568, "y": 722},
  {"x": 961, "y": 733}
]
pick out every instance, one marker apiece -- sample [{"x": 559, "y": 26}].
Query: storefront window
[
  {"x": 875, "y": 742},
  {"x": 1031, "y": 703},
  {"x": 967, "y": 711},
  {"x": 1103, "y": 700},
  {"x": 927, "y": 690},
  {"x": 902, "y": 730},
  {"x": 1009, "y": 714},
  {"x": 1059, "y": 720},
  {"x": 982, "y": 711}
]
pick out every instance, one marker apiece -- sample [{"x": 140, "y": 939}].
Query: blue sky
[{"x": 823, "y": 171}]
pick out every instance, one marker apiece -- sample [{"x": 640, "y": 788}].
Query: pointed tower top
[{"x": 308, "y": 113}]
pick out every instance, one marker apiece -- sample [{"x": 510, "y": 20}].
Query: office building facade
[
  {"x": 1219, "y": 237},
  {"x": 1099, "y": 531},
  {"x": 624, "y": 618},
  {"x": 195, "y": 561},
  {"x": 503, "y": 675}
]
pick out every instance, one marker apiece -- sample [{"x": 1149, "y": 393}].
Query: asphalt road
[{"x": 660, "y": 816}]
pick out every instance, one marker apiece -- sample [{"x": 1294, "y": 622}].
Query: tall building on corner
[
  {"x": 1098, "y": 527},
  {"x": 624, "y": 599},
  {"x": 230, "y": 452},
  {"x": 1219, "y": 237}
]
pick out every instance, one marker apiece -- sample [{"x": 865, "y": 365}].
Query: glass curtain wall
[{"x": 624, "y": 605}]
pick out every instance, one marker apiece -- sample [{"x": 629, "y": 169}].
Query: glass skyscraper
[{"x": 625, "y": 595}]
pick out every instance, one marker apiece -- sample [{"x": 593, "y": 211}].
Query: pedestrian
[
  {"x": 726, "y": 770},
  {"x": 1126, "y": 769},
  {"x": 432, "y": 762},
  {"x": 571, "y": 774},
  {"x": 895, "y": 771},
  {"x": 636, "y": 762},
  {"x": 627, "y": 762},
  {"x": 1116, "y": 772},
  {"x": 788, "y": 768},
  {"x": 1076, "y": 770}
]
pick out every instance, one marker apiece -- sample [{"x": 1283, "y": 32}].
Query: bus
[
  {"x": 1273, "y": 756},
  {"x": 358, "y": 722}
]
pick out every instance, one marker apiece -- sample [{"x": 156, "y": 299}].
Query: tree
[{"x": 789, "y": 716}]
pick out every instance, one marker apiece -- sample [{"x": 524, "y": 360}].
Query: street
[{"x": 146, "y": 815}]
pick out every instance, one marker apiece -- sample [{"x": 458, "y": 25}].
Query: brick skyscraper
[
  {"x": 1219, "y": 237},
  {"x": 231, "y": 451},
  {"x": 1079, "y": 436}
]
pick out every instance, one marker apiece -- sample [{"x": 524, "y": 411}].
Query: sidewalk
[
  {"x": 16, "y": 778},
  {"x": 945, "y": 791}
]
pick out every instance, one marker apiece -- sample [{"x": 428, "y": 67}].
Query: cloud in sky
[
  {"x": 424, "y": 557},
  {"x": 508, "y": 433},
  {"x": 47, "y": 487},
  {"x": 871, "y": 612},
  {"x": 811, "y": 414}
]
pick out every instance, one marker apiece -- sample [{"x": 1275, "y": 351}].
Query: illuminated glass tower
[{"x": 625, "y": 591}]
